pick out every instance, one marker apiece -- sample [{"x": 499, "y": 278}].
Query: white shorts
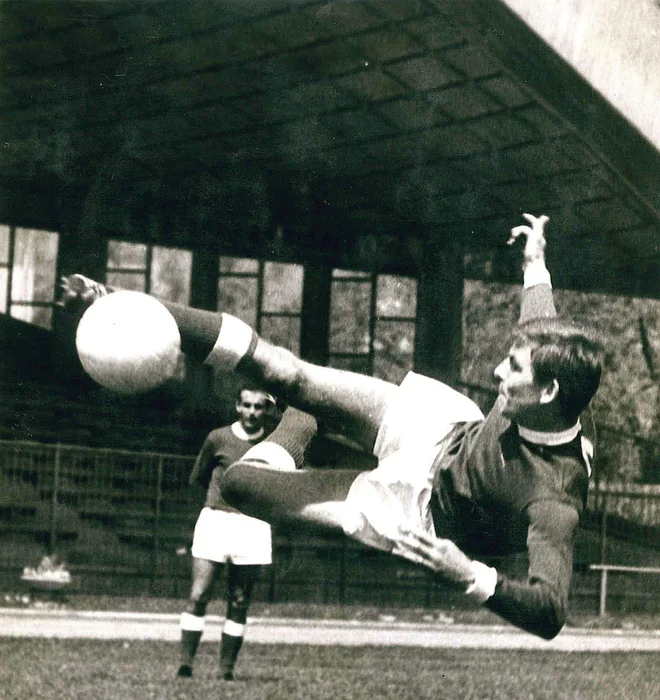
[
  {"x": 224, "y": 537},
  {"x": 398, "y": 492}
]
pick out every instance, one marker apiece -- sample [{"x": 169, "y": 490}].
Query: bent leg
[
  {"x": 302, "y": 497},
  {"x": 352, "y": 403}
]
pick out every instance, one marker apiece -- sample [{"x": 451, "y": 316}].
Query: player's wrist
[{"x": 484, "y": 582}]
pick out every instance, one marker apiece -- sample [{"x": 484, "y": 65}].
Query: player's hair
[
  {"x": 252, "y": 386},
  {"x": 568, "y": 352}
]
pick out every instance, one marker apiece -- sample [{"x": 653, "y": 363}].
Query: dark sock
[
  {"x": 229, "y": 648},
  {"x": 294, "y": 433},
  {"x": 199, "y": 329},
  {"x": 189, "y": 643}
]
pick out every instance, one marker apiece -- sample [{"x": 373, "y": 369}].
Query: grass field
[{"x": 84, "y": 669}]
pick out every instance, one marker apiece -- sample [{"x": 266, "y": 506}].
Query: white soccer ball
[{"x": 128, "y": 342}]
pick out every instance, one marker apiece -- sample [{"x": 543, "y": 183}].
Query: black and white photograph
[{"x": 330, "y": 359}]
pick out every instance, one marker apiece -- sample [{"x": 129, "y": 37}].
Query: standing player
[
  {"x": 449, "y": 480},
  {"x": 225, "y": 536}
]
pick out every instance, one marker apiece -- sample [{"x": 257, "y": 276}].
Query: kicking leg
[
  {"x": 352, "y": 403},
  {"x": 283, "y": 493}
]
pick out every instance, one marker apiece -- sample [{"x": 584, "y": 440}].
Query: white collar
[
  {"x": 541, "y": 438},
  {"x": 239, "y": 432}
]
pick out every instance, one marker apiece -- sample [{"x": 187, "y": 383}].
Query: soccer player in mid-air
[{"x": 450, "y": 484}]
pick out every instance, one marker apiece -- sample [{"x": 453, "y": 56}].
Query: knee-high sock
[
  {"x": 230, "y": 644},
  {"x": 192, "y": 627},
  {"x": 284, "y": 497},
  {"x": 217, "y": 339}
]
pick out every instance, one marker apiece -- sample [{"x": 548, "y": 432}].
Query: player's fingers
[{"x": 537, "y": 221}]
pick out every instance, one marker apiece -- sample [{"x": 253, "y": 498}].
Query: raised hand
[
  {"x": 534, "y": 233},
  {"x": 441, "y": 555}
]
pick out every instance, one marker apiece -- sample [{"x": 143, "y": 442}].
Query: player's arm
[
  {"x": 537, "y": 298},
  {"x": 538, "y": 603},
  {"x": 204, "y": 465}
]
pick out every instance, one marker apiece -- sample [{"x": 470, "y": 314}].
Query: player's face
[
  {"x": 251, "y": 409},
  {"x": 519, "y": 394}
]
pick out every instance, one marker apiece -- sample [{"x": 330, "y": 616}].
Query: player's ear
[{"x": 549, "y": 392}]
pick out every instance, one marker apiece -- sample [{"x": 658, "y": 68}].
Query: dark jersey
[
  {"x": 221, "y": 448},
  {"x": 497, "y": 494}
]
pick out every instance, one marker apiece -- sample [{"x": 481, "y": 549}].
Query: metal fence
[{"x": 123, "y": 521}]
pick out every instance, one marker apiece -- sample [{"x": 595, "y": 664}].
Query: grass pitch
[{"x": 117, "y": 670}]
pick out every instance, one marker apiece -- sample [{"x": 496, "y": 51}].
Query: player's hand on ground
[
  {"x": 534, "y": 234},
  {"x": 441, "y": 555},
  {"x": 77, "y": 291}
]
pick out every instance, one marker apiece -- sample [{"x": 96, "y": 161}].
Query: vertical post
[
  {"x": 155, "y": 545},
  {"x": 603, "y": 593},
  {"x": 342, "y": 572},
  {"x": 438, "y": 339},
  {"x": 603, "y": 525},
  {"x": 315, "y": 316},
  {"x": 53, "y": 501}
]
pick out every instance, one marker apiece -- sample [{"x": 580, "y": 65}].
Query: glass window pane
[
  {"x": 282, "y": 288},
  {"x": 36, "y": 315},
  {"x": 170, "y": 274},
  {"x": 283, "y": 331},
  {"x": 349, "y": 317},
  {"x": 4, "y": 276},
  {"x": 35, "y": 264},
  {"x": 339, "y": 274},
  {"x": 129, "y": 256},
  {"x": 238, "y": 265},
  {"x": 394, "y": 347},
  {"x": 396, "y": 296},
  {"x": 133, "y": 281},
  {"x": 4, "y": 244},
  {"x": 238, "y": 296}
]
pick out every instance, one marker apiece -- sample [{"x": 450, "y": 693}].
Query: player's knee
[
  {"x": 237, "y": 606},
  {"x": 283, "y": 371}
]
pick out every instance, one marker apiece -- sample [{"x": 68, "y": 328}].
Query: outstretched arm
[{"x": 537, "y": 299}]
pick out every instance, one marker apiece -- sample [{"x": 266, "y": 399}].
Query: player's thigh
[{"x": 350, "y": 403}]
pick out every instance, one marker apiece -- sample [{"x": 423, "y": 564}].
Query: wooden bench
[{"x": 605, "y": 569}]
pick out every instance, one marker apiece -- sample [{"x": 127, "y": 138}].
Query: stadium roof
[{"x": 345, "y": 131}]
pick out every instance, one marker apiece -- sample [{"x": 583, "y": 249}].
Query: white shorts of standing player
[{"x": 222, "y": 537}]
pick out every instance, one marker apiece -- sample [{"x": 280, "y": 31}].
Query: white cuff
[
  {"x": 232, "y": 343},
  {"x": 536, "y": 273},
  {"x": 192, "y": 623},
  {"x": 274, "y": 456},
  {"x": 233, "y": 629},
  {"x": 485, "y": 580}
]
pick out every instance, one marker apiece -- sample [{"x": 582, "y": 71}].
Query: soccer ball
[{"x": 128, "y": 342}]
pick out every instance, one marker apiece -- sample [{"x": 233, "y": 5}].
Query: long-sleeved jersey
[
  {"x": 497, "y": 493},
  {"x": 221, "y": 448}
]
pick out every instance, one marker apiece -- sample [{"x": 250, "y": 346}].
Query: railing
[{"x": 124, "y": 522}]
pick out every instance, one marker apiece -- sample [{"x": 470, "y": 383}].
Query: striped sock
[
  {"x": 217, "y": 339},
  {"x": 192, "y": 627}
]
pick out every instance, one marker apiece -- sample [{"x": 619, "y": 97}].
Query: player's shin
[{"x": 304, "y": 497}]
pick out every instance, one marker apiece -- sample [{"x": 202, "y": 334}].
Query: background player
[{"x": 225, "y": 536}]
